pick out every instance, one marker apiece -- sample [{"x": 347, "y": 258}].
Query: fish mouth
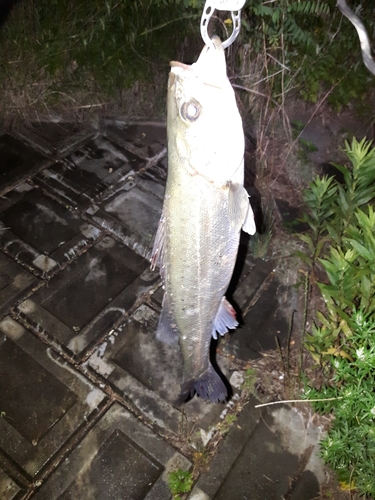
[
  {"x": 177, "y": 64},
  {"x": 179, "y": 69}
]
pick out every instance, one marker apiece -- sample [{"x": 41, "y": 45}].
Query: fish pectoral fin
[
  {"x": 208, "y": 386},
  {"x": 238, "y": 201},
  {"x": 249, "y": 225},
  {"x": 225, "y": 318},
  {"x": 167, "y": 331},
  {"x": 157, "y": 255},
  {"x": 239, "y": 209}
]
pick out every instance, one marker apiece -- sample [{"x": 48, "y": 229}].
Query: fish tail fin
[{"x": 208, "y": 386}]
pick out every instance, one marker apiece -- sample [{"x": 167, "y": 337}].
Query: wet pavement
[{"x": 86, "y": 390}]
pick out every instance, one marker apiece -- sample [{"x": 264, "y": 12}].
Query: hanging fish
[{"x": 205, "y": 207}]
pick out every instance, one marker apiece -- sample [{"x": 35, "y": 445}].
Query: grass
[{"x": 68, "y": 55}]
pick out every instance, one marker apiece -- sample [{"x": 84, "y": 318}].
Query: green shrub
[
  {"x": 308, "y": 47},
  {"x": 107, "y": 46},
  {"x": 342, "y": 241}
]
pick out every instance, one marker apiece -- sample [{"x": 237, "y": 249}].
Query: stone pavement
[{"x": 86, "y": 391}]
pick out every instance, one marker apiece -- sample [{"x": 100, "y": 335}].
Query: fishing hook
[{"x": 234, "y": 6}]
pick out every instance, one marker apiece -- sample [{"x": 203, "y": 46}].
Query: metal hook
[{"x": 209, "y": 9}]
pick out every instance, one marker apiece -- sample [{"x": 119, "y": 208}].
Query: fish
[{"x": 204, "y": 209}]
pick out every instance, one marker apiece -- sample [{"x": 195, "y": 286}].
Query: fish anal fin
[
  {"x": 208, "y": 386},
  {"x": 167, "y": 331},
  {"x": 225, "y": 318}
]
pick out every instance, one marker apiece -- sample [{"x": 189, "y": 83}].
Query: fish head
[{"x": 204, "y": 124}]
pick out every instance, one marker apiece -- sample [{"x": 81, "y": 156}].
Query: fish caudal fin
[
  {"x": 225, "y": 318},
  {"x": 207, "y": 386}
]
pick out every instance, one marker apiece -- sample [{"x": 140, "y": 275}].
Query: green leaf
[
  {"x": 362, "y": 251},
  {"x": 305, "y": 258}
]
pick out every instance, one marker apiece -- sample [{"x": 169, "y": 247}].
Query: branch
[{"x": 362, "y": 34}]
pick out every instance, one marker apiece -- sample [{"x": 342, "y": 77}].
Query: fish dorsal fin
[
  {"x": 225, "y": 318},
  {"x": 157, "y": 255},
  {"x": 239, "y": 209}
]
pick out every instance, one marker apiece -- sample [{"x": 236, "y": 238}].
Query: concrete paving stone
[
  {"x": 83, "y": 302},
  {"x": 157, "y": 296},
  {"x": 17, "y": 162},
  {"x": 254, "y": 462},
  {"x": 15, "y": 283},
  {"x": 299, "y": 435},
  {"x": 307, "y": 488},
  {"x": 268, "y": 318},
  {"x": 153, "y": 179},
  {"x": 146, "y": 139},
  {"x": 132, "y": 211},
  {"x": 119, "y": 458},
  {"x": 87, "y": 172},
  {"x": 255, "y": 481},
  {"x": 9, "y": 490},
  {"x": 54, "y": 137},
  {"x": 149, "y": 373},
  {"x": 127, "y": 360},
  {"x": 43, "y": 399},
  {"x": 39, "y": 232},
  {"x": 229, "y": 451}
]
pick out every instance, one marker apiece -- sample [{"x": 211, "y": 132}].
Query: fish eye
[{"x": 190, "y": 110}]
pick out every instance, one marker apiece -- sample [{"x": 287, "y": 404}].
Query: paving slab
[
  {"x": 40, "y": 233},
  {"x": 269, "y": 454},
  {"x": 146, "y": 139},
  {"x": 82, "y": 303},
  {"x": 230, "y": 449},
  {"x": 15, "y": 283},
  {"x": 8, "y": 488},
  {"x": 18, "y": 161},
  {"x": 44, "y": 400},
  {"x": 131, "y": 212},
  {"x": 149, "y": 373},
  {"x": 54, "y": 138},
  {"x": 88, "y": 171},
  {"x": 119, "y": 458},
  {"x": 267, "y": 321}
]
